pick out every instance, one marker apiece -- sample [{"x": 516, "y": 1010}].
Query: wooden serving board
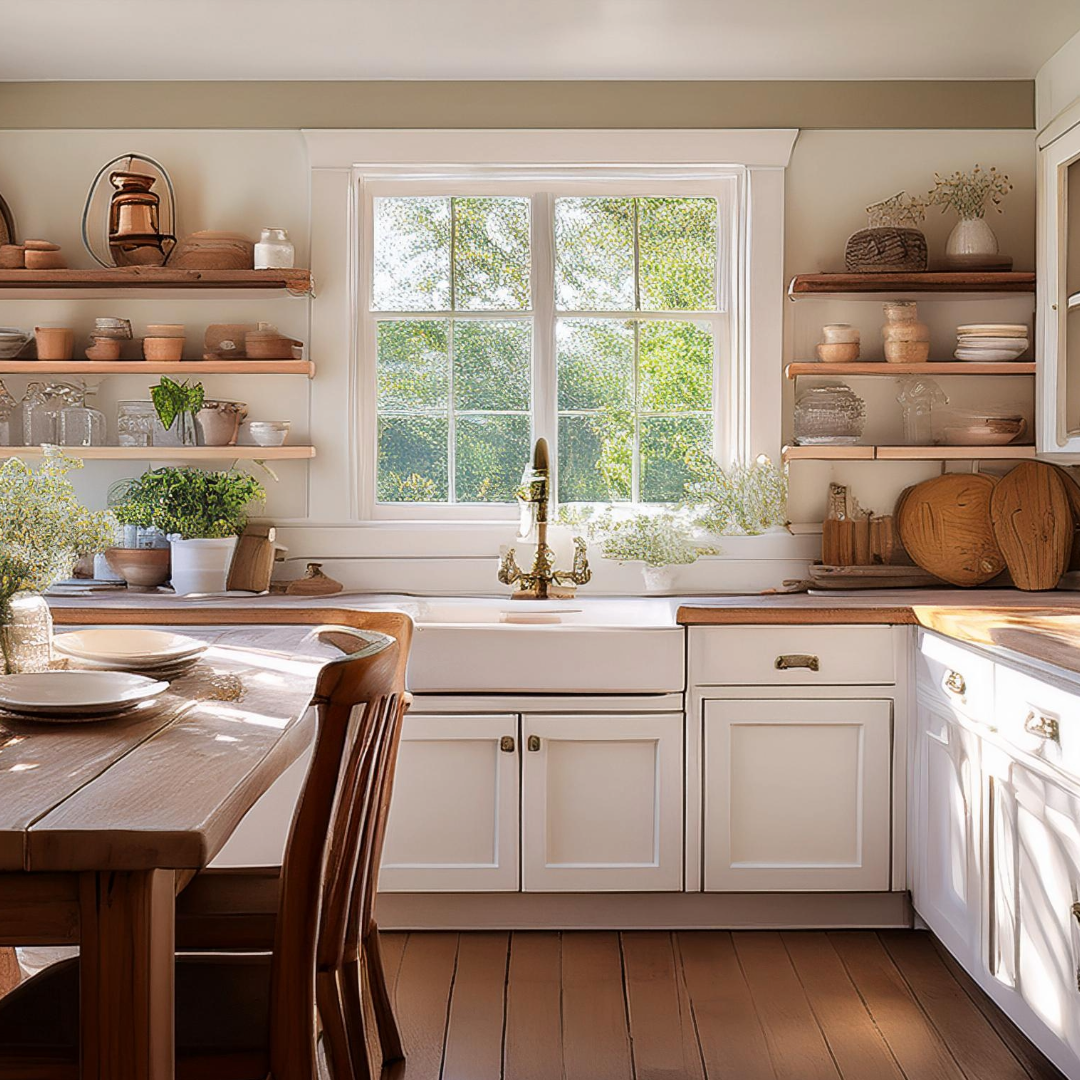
[
  {"x": 1072, "y": 492},
  {"x": 945, "y": 526},
  {"x": 1033, "y": 525}
]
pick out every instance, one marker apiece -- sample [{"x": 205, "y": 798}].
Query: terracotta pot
[
  {"x": 163, "y": 348},
  {"x": 141, "y": 568},
  {"x": 44, "y": 260},
  {"x": 907, "y": 352},
  {"x": 218, "y": 422},
  {"x": 838, "y": 352},
  {"x": 54, "y": 342},
  {"x": 270, "y": 345},
  {"x": 104, "y": 348},
  {"x": 12, "y": 257}
]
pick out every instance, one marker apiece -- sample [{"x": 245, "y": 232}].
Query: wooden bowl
[
  {"x": 838, "y": 352},
  {"x": 209, "y": 250},
  {"x": 141, "y": 568},
  {"x": 907, "y": 352}
]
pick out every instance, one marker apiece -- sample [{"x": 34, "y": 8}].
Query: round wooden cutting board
[
  {"x": 1033, "y": 525},
  {"x": 946, "y": 528}
]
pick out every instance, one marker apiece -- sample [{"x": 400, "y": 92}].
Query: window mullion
[{"x": 545, "y": 376}]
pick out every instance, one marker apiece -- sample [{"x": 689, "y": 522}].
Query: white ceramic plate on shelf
[
  {"x": 129, "y": 646},
  {"x": 989, "y": 355},
  {"x": 75, "y": 693}
]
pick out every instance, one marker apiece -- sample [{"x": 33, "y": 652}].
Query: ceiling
[{"x": 531, "y": 39}]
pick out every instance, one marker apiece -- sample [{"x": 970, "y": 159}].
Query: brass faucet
[{"x": 543, "y": 581}]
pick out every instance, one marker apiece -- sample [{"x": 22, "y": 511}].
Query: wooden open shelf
[
  {"x": 941, "y": 367},
  {"x": 927, "y": 281},
  {"x": 295, "y": 281},
  {"x": 907, "y": 453},
  {"x": 170, "y": 453},
  {"x": 193, "y": 368}
]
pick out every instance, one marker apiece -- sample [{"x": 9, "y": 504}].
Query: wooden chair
[{"x": 253, "y": 1016}]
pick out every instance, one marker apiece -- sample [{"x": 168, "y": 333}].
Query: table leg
[{"x": 127, "y": 944}]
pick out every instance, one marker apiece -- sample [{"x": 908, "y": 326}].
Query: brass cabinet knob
[
  {"x": 797, "y": 660},
  {"x": 954, "y": 682},
  {"x": 534, "y": 743},
  {"x": 1045, "y": 727},
  {"x": 507, "y": 744}
]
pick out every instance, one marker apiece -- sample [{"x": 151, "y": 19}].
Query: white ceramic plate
[
  {"x": 130, "y": 646},
  {"x": 994, "y": 329},
  {"x": 968, "y": 341},
  {"x": 984, "y": 356},
  {"x": 74, "y": 692}
]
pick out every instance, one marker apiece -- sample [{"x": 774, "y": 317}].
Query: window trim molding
[{"x": 338, "y": 157}]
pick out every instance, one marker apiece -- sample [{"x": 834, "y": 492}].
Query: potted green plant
[
  {"x": 178, "y": 404},
  {"x": 202, "y": 513},
  {"x": 43, "y": 530},
  {"x": 660, "y": 541}
]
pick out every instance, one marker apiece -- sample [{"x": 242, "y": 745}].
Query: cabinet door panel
[
  {"x": 602, "y": 803},
  {"x": 453, "y": 824},
  {"x": 946, "y": 888},
  {"x": 797, "y": 794}
]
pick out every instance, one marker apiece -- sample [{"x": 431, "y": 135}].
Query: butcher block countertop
[{"x": 912, "y": 607}]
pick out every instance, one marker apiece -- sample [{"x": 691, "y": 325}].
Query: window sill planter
[{"x": 202, "y": 566}]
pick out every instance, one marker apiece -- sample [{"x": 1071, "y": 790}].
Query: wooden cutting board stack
[{"x": 967, "y": 528}]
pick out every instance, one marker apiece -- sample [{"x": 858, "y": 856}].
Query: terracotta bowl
[
  {"x": 141, "y": 568},
  {"x": 163, "y": 348},
  {"x": 838, "y": 352}
]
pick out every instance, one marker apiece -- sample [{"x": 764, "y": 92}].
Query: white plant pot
[
  {"x": 971, "y": 236},
  {"x": 658, "y": 579},
  {"x": 202, "y": 566}
]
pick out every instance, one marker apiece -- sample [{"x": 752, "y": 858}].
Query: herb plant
[
  {"x": 663, "y": 539},
  {"x": 190, "y": 503},
  {"x": 43, "y": 526},
  {"x": 173, "y": 399}
]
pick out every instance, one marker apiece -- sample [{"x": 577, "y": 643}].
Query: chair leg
[
  {"x": 385, "y": 1020},
  {"x": 10, "y": 972}
]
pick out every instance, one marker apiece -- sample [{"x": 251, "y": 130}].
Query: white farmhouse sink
[{"x": 584, "y": 646}]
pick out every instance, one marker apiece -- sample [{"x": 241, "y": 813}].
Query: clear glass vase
[{"x": 26, "y": 638}]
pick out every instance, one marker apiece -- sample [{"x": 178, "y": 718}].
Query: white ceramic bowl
[
  {"x": 268, "y": 432},
  {"x": 12, "y": 342}
]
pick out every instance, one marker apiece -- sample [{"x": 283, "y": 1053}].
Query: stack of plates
[
  {"x": 131, "y": 648},
  {"x": 989, "y": 342},
  {"x": 67, "y": 697}
]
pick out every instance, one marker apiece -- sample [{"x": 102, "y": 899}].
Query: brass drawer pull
[
  {"x": 954, "y": 682},
  {"x": 1046, "y": 727},
  {"x": 534, "y": 743},
  {"x": 507, "y": 744},
  {"x": 797, "y": 660}
]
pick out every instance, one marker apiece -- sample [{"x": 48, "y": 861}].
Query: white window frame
[
  {"x": 542, "y": 186},
  {"x": 341, "y": 480}
]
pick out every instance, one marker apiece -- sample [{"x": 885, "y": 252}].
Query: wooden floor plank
[
  {"x": 857, "y": 1046},
  {"x": 424, "y": 984},
  {"x": 392, "y": 947},
  {"x": 596, "y": 1036},
  {"x": 796, "y": 1043},
  {"x": 913, "y": 1040},
  {"x": 533, "y": 1043},
  {"x": 732, "y": 1041},
  {"x": 662, "y": 1036},
  {"x": 1035, "y": 1063},
  {"x": 474, "y": 1033},
  {"x": 971, "y": 1038}
]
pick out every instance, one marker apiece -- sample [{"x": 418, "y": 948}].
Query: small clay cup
[
  {"x": 104, "y": 348},
  {"x": 54, "y": 342},
  {"x": 163, "y": 348}
]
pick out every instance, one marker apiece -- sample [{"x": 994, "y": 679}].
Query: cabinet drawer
[
  {"x": 1038, "y": 718},
  {"x": 792, "y": 656},
  {"x": 949, "y": 674}
]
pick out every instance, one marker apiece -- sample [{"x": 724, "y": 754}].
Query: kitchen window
[{"x": 593, "y": 310}]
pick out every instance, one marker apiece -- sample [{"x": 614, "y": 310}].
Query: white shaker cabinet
[
  {"x": 797, "y": 794},
  {"x": 946, "y": 888},
  {"x": 453, "y": 823},
  {"x": 602, "y": 802},
  {"x": 1058, "y": 330}
]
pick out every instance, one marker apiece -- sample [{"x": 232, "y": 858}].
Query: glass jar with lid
[
  {"x": 829, "y": 415},
  {"x": 80, "y": 425}
]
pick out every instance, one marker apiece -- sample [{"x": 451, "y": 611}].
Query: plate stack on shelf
[{"x": 991, "y": 342}]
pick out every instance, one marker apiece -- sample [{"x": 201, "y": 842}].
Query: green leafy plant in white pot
[
  {"x": 660, "y": 541},
  {"x": 203, "y": 515}
]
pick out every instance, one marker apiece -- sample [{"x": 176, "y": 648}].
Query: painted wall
[
  {"x": 243, "y": 179},
  {"x": 1057, "y": 85}
]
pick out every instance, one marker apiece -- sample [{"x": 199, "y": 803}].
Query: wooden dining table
[{"x": 102, "y": 822}]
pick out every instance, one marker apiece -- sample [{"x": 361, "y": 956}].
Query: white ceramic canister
[
  {"x": 202, "y": 565},
  {"x": 274, "y": 250}
]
